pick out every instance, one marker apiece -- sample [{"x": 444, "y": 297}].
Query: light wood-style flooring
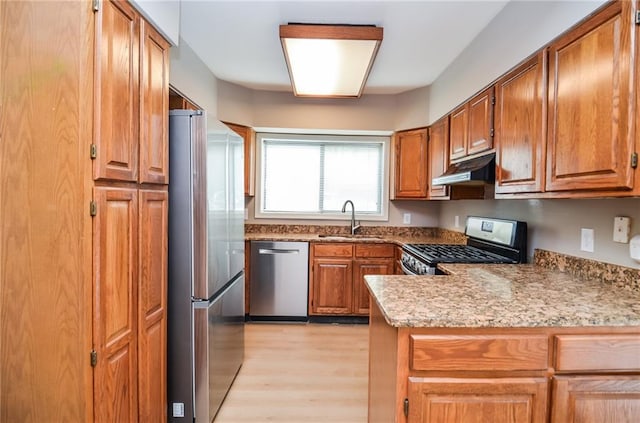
[{"x": 300, "y": 373}]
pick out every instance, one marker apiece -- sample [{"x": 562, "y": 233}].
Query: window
[{"x": 311, "y": 176}]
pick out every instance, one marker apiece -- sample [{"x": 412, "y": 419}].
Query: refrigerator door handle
[
  {"x": 200, "y": 303},
  {"x": 276, "y": 251}
]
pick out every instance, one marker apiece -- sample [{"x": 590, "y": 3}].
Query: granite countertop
[
  {"x": 340, "y": 233},
  {"x": 503, "y": 295},
  {"x": 380, "y": 239}
]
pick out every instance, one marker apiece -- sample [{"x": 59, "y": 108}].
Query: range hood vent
[{"x": 478, "y": 171}]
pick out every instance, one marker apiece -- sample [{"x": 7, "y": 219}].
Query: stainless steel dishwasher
[{"x": 279, "y": 280}]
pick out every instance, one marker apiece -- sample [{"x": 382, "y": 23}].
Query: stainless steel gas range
[{"x": 489, "y": 240}]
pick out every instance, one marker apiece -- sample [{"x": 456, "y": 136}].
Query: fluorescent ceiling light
[{"x": 329, "y": 60}]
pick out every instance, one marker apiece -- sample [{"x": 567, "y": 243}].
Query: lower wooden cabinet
[
  {"x": 496, "y": 375},
  {"x": 115, "y": 327},
  {"x": 465, "y": 400},
  {"x": 332, "y": 286},
  {"x": 601, "y": 398},
  {"x": 152, "y": 305},
  {"x": 130, "y": 268},
  {"x": 337, "y": 271}
]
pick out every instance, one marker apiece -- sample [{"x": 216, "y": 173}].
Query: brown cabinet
[
  {"x": 337, "y": 270},
  {"x": 115, "y": 246},
  {"x": 154, "y": 98},
  {"x": 520, "y": 127},
  {"x": 373, "y": 259},
  {"x": 131, "y": 147},
  {"x": 132, "y": 94},
  {"x": 249, "y": 137},
  {"x": 602, "y": 399},
  {"x": 152, "y": 303},
  {"x": 470, "y": 375},
  {"x": 411, "y": 173},
  {"x": 87, "y": 242},
  {"x": 117, "y": 91},
  {"x": 438, "y": 157},
  {"x": 471, "y": 126},
  {"x": 460, "y": 400},
  {"x": 591, "y": 104}
]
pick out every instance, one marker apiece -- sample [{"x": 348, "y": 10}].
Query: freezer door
[{"x": 225, "y": 352}]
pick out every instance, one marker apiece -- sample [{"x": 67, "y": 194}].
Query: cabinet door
[
  {"x": 480, "y": 136},
  {"x": 458, "y": 132},
  {"x": 332, "y": 286},
  {"x": 438, "y": 157},
  {"x": 152, "y": 306},
  {"x": 115, "y": 245},
  {"x": 591, "y": 104},
  {"x": 601, "y": 399},
  {"x": 249, "y": 137},
  {"x": 449, "y": 400},
  {"x": 154, "y": 107},
  {"x": 362, "y": 268},
  {"x": 520, "y": 127},
  {"x": 411, "y": 164},
  {"x": 116, "y": 116}
]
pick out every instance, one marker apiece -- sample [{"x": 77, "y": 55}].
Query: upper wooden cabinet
[
  {"x": 411, "y": 164},
  {"x": 591, "y": 103},
  {"x": 471, "y": 126},
  {"x": 132, "y": 94},
  {"x": 117, "y": 92},
  {"x": 154, "y": 106},
  {"x": 249, "y": 136},
  {"x": 520, "y": 124},
  {"x": 438, "y": 157}
]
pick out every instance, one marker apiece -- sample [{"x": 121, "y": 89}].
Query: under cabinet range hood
[{"x": 477, "y": 171}]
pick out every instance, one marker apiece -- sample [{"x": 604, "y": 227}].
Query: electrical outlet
[
  {"x": 406, "y": 218},
  {"x": 587, "y": 240},
  {"x": 456, "y": 221},
  {"x": 621, "y": 229}
]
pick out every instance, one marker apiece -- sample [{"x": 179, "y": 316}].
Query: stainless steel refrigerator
[{"x": 206, "y": 265}]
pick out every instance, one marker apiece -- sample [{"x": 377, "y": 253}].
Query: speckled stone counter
[
  {"x": 503, "y": 296},
  {"x": 369, "y": 234}
]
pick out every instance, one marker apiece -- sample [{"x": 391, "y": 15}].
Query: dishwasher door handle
[{"x": 276, "y": 251}]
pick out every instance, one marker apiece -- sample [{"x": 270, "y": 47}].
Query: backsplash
[
  {"x": 393, "y": 231},
  {"x": 620, "y": 276}
]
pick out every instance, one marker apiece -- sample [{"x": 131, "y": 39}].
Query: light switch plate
[
  {"x": 621, "y": 229},
  {"x": 587, "y": 240}
]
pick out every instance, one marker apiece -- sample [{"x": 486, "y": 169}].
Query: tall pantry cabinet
[{"x": 83, "y": 213}]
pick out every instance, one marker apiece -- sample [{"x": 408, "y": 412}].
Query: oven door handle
[{"x": 406, "y": 270}]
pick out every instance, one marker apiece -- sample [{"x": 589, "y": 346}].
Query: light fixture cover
[{"x": 329, "y": 60}]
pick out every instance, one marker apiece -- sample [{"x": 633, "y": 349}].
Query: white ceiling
[{"x": 238, "y": 40}]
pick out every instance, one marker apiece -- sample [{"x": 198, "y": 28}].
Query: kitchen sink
[{"x": 348, "y": 236}]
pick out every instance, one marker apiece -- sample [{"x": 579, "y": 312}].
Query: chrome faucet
[{"x": 354, "y": 227}]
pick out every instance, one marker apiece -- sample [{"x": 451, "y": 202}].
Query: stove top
[
  {"x": 454, "y": 253},
  {"x": 489, "y": 240}
]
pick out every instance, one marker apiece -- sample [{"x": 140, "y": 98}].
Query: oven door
[{"x": 406, "y": 270}]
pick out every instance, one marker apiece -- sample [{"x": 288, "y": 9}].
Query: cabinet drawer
[
  {"x": 333, "y": 250},
  {"x": 597, "y": 352},
  {"x": 374, "y": 250},
  {"x": 479, "y": 352}
]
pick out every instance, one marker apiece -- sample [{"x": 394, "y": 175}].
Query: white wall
[
  {"x": 192, "y": 78},
  {"x": 164, "y": 15},
  {"x": 555, "y": 224},
  {"x": 412, "y": 109},
  {"x": 520, "y": 29}
]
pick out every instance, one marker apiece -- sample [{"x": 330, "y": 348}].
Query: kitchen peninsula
[{"x": 506, "y": 343}]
